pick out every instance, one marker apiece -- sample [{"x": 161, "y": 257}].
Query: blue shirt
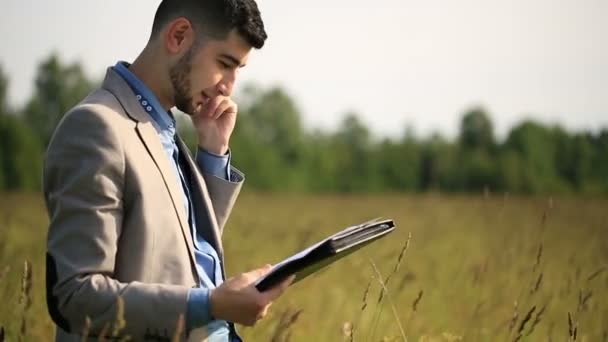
[{"x": 208, "y": 264}]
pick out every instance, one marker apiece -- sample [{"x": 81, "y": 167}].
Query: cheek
[
  {"x": 206, "y": 73},
  {"x": 205, "y": 77}
]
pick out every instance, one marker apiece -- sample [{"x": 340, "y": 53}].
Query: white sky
[{"x": 396, "y": 62}]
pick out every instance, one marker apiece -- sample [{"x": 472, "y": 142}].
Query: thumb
[{"x": 260, "y": 272}]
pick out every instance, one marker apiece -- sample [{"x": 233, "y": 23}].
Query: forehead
[{"x": 234, "y": 45}]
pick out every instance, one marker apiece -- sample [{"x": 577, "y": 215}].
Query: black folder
[{"x": 319, "y": 255}]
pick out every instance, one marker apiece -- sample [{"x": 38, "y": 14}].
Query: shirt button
[
  {"x": 149, "y": 109},
  {"x": 145, "y": 103},
  {"x": 139, "y": 97}
]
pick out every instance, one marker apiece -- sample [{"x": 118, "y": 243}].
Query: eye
[{"x": 223, "y": 64}]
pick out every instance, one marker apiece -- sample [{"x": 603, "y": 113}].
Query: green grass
[{"x": 472, "y": 256}]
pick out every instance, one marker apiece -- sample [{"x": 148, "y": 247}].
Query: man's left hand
[{"x": 214, "y": 122}]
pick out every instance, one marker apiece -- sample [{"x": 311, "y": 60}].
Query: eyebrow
[{"x": 232, "y": 59}]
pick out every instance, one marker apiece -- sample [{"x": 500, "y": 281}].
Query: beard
[{"x": 180, "y": 80}]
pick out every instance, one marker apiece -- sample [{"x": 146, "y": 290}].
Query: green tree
[
  {"x": 477, "y": 161},
  {"x": 538, "y": 149},
  {"x": 476, "y": 130},
  {"x": 353, "y": 151},
  {"x": 574, "y": 158},
  {"x": 268, "y": 141},
  {"x": 20, "y": 153},
  {"x": 321, "y": 162},
  {"x": 596, "y": 181},
  {"x": 399, "y": 164},
  {"x": 275, "y": 120},
  {"x": 3, "y": 113},
  {"x": 3, "y": 93},
  {"x": 58, "y": 88}
]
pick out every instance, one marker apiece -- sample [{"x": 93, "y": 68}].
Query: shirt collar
[{"x": 146, "y": 98}]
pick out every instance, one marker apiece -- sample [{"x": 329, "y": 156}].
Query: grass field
[{"x": 484, "y": 268}]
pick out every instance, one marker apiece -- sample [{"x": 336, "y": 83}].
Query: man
[{"x": 132, "y": 214}]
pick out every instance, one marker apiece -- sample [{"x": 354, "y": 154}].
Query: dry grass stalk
[
  {"x": 25, "y": 299},
  {"x": 416, "y": 301},
  {"x": 572, "y": 328},
  {"x": 385, "y": 289},
  {"x": 86, "y": 329},
  {"x": 544, "y": 219},
  {"x": 119, "y": 322},
  {"x": 550, "y": 331},
  {"x": 348, "y": 331},
  {"x": 179, "y": 329},
  {"x": 539, "y": 255},
  {"x": 399, "y": 258},
  {"x": 595, "y": 274},
  {"x": 281, "y": 333},
  {"x": 515, "y": 316},
  {"x": 26, "y": 284},
  {"x": 414, "y": 309},
  {"x": 537, "y": 319},
  {"x": 583, "y": 299},
  {"x": 288, "y": 336},
  {"x": 4, "y": 273},
  {"x": 537, "y": 284},
  {"x": 365, "y": 294},
  {"x": 523, "y": 323},
  {"x": 104, "y": 332},
  {"x": 379, "y": 306},
  {"x": 363, "y": 307}
]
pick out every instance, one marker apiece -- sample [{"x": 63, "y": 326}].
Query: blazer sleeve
[
  {"x": 83, "y": 181},
  {"x": 223, "y": 193}
]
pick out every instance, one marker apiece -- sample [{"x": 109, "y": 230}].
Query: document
[{"x": 325, "y": 252}]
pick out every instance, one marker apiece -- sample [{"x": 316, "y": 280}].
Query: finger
[
  {"x": 225, "y": 108},
  {"x": 260, "y": 272},
  {"x": 211, "y": 105},
  {"x": 221, "y": 109},
  {"x": 276, "y": 291}
]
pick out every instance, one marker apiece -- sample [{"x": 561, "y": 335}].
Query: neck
[{"x": 149, "y": 70}]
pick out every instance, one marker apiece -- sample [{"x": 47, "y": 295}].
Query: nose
[
  {"x": 225, "y": 89},
  {"x": 226, "y": 86}
]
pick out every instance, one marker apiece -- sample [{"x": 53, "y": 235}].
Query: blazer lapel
[
  {"x": 149, "y": 137},
  {"x": 215, "y": 237}
]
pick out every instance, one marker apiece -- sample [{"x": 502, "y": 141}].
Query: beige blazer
[{"x": 118, "y": 227}]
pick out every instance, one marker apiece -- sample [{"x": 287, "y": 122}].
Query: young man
[{"x": 132, "y": 214}]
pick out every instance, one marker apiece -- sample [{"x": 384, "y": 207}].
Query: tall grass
[{"x": 487, "y": 268}]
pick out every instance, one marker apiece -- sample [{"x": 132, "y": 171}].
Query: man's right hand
[{"x": 237, "y": 300}]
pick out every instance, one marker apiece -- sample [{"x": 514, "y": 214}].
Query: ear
[{"x": 179, "y": 36}]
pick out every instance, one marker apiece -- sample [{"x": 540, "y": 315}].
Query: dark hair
[{"x": 215, "y": 18}]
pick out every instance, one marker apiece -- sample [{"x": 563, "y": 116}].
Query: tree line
[{"x": 277, "y": 153}]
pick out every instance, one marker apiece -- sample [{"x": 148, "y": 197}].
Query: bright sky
[{"x": 396, "y": 62}]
